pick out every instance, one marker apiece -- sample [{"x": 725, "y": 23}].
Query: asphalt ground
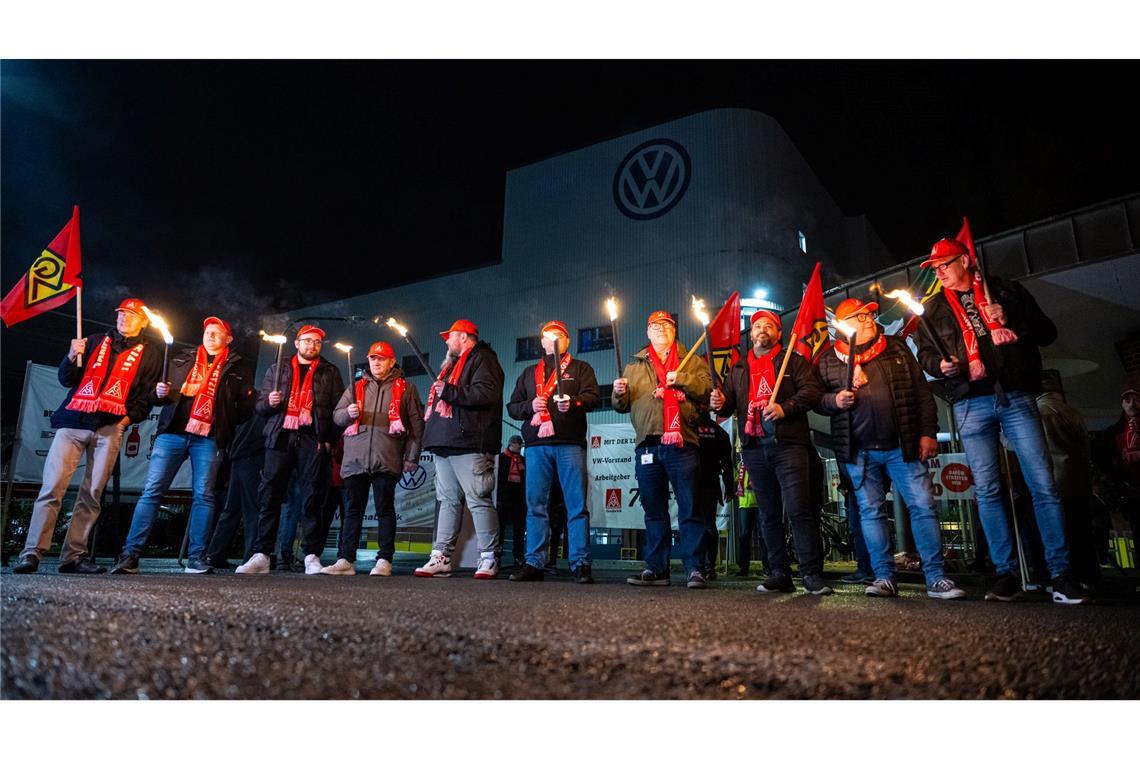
[{"x": 287, "y": 636}]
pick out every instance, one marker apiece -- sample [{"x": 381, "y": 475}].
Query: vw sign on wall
[{"x": 652, "y": 179}]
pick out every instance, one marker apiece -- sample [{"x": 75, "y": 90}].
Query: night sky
[{"x": 246, "y": 187}]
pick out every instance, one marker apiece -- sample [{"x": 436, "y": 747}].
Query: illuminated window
[
  {"x": 411, "y": 365},
  {"x": 803, "y": 242}
]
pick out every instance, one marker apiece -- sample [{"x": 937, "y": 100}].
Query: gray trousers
[
  {"x": 68, "y": 447},
  {"x": 471, "y": 478}
]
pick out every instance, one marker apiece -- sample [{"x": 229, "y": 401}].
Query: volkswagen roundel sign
[{"x": 652, "y": 179}]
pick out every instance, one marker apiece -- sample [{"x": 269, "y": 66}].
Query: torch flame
[
  {"x": 342, "y": 347},
  {"x": 158, "y": 322},
  {"x": 847, "y": 331},
  {"x": 699, "y": 311},
  {"x": 915, "y": 307},
  {"x": 272, "y": 338},
  {"x": 397, "y": 327},
  {"x": 611, "y": 307}
]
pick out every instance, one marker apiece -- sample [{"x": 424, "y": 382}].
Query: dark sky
[{"x": 245, "y": 187}]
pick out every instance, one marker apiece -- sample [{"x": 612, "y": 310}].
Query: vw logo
[
  {"x": 651, "y": 179},
  {"x": 413, "y": 480}
]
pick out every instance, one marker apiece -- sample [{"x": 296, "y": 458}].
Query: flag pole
[
  {"x": 784, "y": 364},
  {"x": 79, "y": 321}
]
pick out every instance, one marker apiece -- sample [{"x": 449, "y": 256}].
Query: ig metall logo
[{"x": 652, "y": 179}]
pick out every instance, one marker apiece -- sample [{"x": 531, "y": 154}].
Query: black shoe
[
  {"x": 527, "y": 573},
  {"x": 26, "y": 565},
  {"x": 82, "y": 566},
  {"x": 697, "y": 580},
  {"x": 1005, "y": 589},
  {"x": 290, "y": 564},
  {"x": 709, "y": 573},
  {"x": 741, "y": 574},
  {"x": 857, "y": 579},
  {"x": 127, "y": 563},
  {"x": 1067, "y": 591},
  {"x": 648, "y": 578},
  {"x": 583, "y": 574},
  {"x": 551, "y": 568},
  {"x": 814, "y": 584},
  {"x": 198, "y": 567},
  {"x": 220, "y": 563},
  {"x": 776, "y": 582}
]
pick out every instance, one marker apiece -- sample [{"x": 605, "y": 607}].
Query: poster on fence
[{"x": 950, "y": 478}]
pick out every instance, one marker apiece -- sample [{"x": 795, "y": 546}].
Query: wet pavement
[{"x": 287, "y": 636}]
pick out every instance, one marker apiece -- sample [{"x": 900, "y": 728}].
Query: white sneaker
[
  {"x": 383, "y": 567},
  {"x": 488, "y": 567},
  {"x": 313, "y": 565},
  {"x": 438, "y": 565},
  {"x": 340, "y": 567},
  {"x": 258, "y": 564}
]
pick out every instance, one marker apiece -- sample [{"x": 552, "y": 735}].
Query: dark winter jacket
[
  {"x": 578, "y": 382},
  {"x": 476, "y": 424},
  {"x": 233, "y": 400},
  {"x": 506, "y": 492},
  {"x": 799, "y": 392},
  {"x": 373, "y": 449},
  {"x": 327, "y": 389},
  {"x": 915, "y": 415},
  {"x": 138, "y": 401},
  {"x": 717, "y": 466},
  {"x": 647, "y": 412},
  {"x": 1017, "y": 365}
]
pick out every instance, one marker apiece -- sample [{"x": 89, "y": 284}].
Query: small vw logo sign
[
  {"x": 652, "y": 179},
  {"x": 410, "y": 481}
]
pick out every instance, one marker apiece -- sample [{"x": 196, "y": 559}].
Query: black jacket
[
  {"x": 327, "y": 389},
  {"x": 506, "y": 492},
  {"x": 1019, "y": 363},
  {"x": 233, "y": 401},
  {"x": 138, "y": 400},
  {"x": 915, "y": 413},
  {"x": 799, "y": 392},
  {"x": 578, "y": 382},
  {"x": 476, "y": 423},
  {"x": 717, "y": 465}
]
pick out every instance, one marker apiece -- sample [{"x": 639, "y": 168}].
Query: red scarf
[
  {"x": 1131, "y": 438},
  {"x": 202, "y": 410},
  {"x": 842, "y": 350},
  {"x": 441, "y": 406},
  {"x": 998, "y": 334},
  {"x": 518, "y": 467},
  {"x": 761, "y": 381},
  {"x": 300, "y": 411},
  {"x": 395, "y": 424},
  {"x": 672, "y": 398},
  {"x": 112, "y": 399},
  {"x": 544, "y": 386}
]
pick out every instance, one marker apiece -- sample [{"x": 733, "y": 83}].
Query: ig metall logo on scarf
[{"x": 652, "y": 179}]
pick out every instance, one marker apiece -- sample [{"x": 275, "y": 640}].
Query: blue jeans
[
  {"x": 855, "y": 527},
  {"x": 170, "y": 451},
  {"x": 678, "y": 467},
  {"x": 542, "y": 464},
  {"x": 979, "y": 420},
  {"x": 912, "y": 482}
]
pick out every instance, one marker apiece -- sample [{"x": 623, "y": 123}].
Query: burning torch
[
  {"x": 159, "y": 323},
  {"x": 849, "y": 333},
  {"x": 280, "y": 341},
  {"x": 415, "y": 349},
  {"x": 348, "y": 357},
  {"x": 612, "y": 308},
  {"x": 553, "y": 336},
  {"x": 703, "y": 317},
  {"x": 918, "y": 310}
]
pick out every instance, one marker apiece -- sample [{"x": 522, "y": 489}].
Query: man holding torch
[
  {"x": 553, "y": 398},
  {"x": 296, "y": 400},
  {"x": 775, "y": 440},
  {"x": 107, "y": 395},
  {"x": 884, "y": 425},
  {"x": 464, "y": 430},
  {"x": 992, "y": 378},
  {"x": 208, "y": 394},
  {"x": 662, "y": 394},
  {"x": 384, "y": 421}
]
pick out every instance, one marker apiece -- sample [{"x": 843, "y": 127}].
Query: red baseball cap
[
  {"x": 661, "y": 316},
  {"x": 306, "y": 329},
  {"x": 133, "y": 305},
  {"x": 554, "y": 324},
  {"x": 943, "y": 251},
  {"x": 852, "y": 306},
  {"x": 381, "y": 349},
  {"x": 462, "y": 325},
  {"x": 765, "y": 314},
  {"x": 219, "y": 322}
]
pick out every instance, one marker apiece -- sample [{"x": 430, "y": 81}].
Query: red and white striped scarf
[
  {"x": 111, "y": 399},
  {"x": 544, "y": 386},
  {"x": 842, "y": 350},
  {"x": 300, "y": 409},
  {"x": 761, "y": 381},
  {"x": 395, "y": 424},
  {"x": 670, "y": 397},
  {"x": 202, "y": 410},
  {"x": 998, "y": 334},
  {"x": 442, "y": 407}
]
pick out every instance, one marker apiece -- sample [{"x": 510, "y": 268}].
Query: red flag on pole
[
  {"x": 811, "y": 321},
  {"x": 724, "y": 331},
  {"x": 50, "y": 281},
  {"x": 966, "y": 238}
]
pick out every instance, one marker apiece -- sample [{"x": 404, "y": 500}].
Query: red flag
[
  {"x": 50, "y": 281},
  {"x": 811, "y": 321},
  {"x": 966, "y": 238},
  {"x": 724, "y": 331}
]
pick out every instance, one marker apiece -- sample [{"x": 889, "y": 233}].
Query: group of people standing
[{"x": 871, "y": 386}]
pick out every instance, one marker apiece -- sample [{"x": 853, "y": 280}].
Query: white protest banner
[{"x": 415, "y": 498}]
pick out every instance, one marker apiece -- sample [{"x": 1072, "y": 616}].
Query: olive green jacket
[{"x": 647, "y": 412}]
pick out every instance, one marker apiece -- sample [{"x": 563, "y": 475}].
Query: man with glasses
[
  {"x": 297, "y": 400},
  {"x": 993, "y": 378}
]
